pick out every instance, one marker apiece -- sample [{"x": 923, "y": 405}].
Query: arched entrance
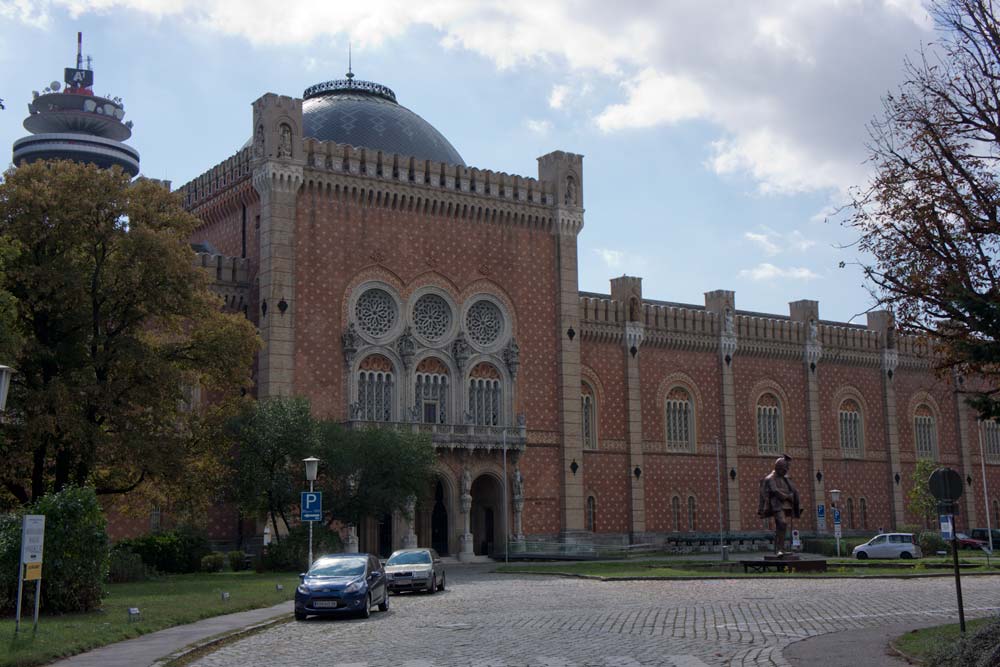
[
  {"x": 487, "y": 516},
  {"x": 432, "y": 518},
  {"x": 439, "y": 521},
  {"x": 385, "y": 536}
]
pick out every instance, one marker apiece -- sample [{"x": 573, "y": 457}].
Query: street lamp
[
  {"x": 5, "y": 373},
  {"x": 835, "y": 495},
  {"x": 312, "y": 466}
]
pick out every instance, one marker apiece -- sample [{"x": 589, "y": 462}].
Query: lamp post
[
  {"x": 835, "y": 496},
  {"x": 312, "y": 466},
  {"x": 5, "y": 373},
  {"x": 982, "y": 464}
]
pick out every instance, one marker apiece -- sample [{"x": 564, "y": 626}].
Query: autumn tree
[
  {"x": 117, "y": 330},
  {"x": 929, "y": 217}
]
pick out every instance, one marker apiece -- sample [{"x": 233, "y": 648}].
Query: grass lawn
[
  {"x": 705, "y": 568},
  {"x": 164, "y": 602},
  {"x": 918, "y": 643}
]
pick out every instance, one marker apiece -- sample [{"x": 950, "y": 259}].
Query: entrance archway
[
  {"x": 487, "y": 516},
  {"x": 433, "y": 526}
]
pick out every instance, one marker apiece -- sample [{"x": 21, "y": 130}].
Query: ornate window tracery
[
  {"x": 485, "y": 395},
  {"x": 588, "y": 428},
  {"x": 679, "y": 420},
  {"x": 376, "y": 390},
  {"x": 432, "y": 317},
  {"x": 484, "y": 323},
  {"x": 692, "y": 515},
  {"x": 989, "y": 431},
  {"x": 431, "y": 391},
  {"x": 925, "y": 433},
  {"x": 376, "y": 312},
  {"x": 770, "y": 435},
  {"x": 851, "y": 428}
]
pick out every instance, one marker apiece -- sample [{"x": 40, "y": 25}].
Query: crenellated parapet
[
  {"x": 219, "y": 178},
  {"x": 229, "y": 278}
]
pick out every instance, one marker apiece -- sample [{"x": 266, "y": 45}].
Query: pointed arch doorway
[{"x": 487, "y": 516}]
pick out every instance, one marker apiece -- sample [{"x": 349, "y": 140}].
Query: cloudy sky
[{"x": 718, "y": 136}]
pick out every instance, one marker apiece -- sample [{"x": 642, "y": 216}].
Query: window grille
[
  {"x": 851, "y": 433},
  {"x": 376, "y": 391},
  {"x": 769, "y": 426},
  {"x": 432, "y": 397},
  {"x": 990, "y": 433},
  {"x": 375, "y": 312},
  {"x": 679, "y": 420},
  {"x": 591, "y": 513},
  {"x": 485, "y": 396},
  {"x": 925, "y": 435},
  {"x": 692, "y": 515}
]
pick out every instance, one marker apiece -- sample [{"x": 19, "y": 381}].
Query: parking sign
[
  {"x": 821, "y": 516},
  {"x": 312, "y": 505}
]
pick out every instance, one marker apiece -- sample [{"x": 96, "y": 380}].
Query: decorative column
[
  {"x": 723, "y": 304},
  {"x": 965, "y": 448},
  {"x": 633, "y": 340},
  {"x": 518, "y": 503},
  {"x": 410, "y": 538},
  {"x": 881, "y": 321},
  {"x": 807, "y": 313},
  {"x": 466, "y": 550},
  {"x": 561, "y": 175}
]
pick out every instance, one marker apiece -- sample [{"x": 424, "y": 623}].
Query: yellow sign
[{"x": 32, "y": 571}]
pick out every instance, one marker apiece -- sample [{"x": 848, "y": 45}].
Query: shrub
[
  {"x": 213, "y": 562},
  {"x": 979, "y": 649},
  {"x": 931, "y": 542},
  {"x": 237, "y": 560},
  {"x": 75, "y": 557},
  {"x": 292, "y": 552},
  {"x": 177, "y": 551},
  {"x": 126, "y": 566},
  {"x": 827, "y": 546}
]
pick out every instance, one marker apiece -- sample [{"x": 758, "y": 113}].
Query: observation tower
[{"x": 75, "y": 124}]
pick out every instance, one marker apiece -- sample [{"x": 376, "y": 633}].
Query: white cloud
[
  {"x": 785, "y": 88},
  {"x": 798, "y": 241},
  {"x": 773, "y": 242},
  {"x": 612, "y": 258},
  {"x": 542, "y": 127},
  {"x": 558, "y": 96},
  {"x": 769, "y": 247},
  {"x": 767, "y": 271}
]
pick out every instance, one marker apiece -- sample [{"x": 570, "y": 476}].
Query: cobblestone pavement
[{"x": 495, "y": 620}]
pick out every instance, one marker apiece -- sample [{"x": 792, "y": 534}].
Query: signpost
[
  {"x": 30, "y": 567},
  {"x": 312, "y": 506},
  {"x": 796, "y": 541},
  {"x": 836, "y": 528},
  {"x": 946, "y": 485},
  {"x": 821, "y": 516}
]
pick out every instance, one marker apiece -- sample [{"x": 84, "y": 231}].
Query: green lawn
[
  {"x": 164, "y": 602},
  {"x": 705, "y": 568},
  {"x": 918, "y": 643}
]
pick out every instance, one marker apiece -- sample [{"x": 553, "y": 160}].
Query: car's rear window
[
  {"x": 339, "y": 567},
  {"x": 410, "y": 558}
]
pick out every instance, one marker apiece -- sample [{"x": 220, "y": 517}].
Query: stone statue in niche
[
  {"x": 285, "y": 140},
  {"x": 349, "y": 342},
  {"x": 511, "y": 356},
  {"x": 460, "y": 350},
  {"x": 258, "y": 142},
  {"x": 730, "y": 325},
  {"x": 518, "y": 483},
  {"x": 813, "y": 330},
  {"x": 405, "y": 346},
  {"x": 569, "y": 197},
  {"x": 466, "y": 482}
]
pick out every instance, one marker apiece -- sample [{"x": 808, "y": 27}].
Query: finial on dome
[{"x": 350, "y": 74}]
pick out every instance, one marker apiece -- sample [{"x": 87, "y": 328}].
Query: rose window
[
  {"x": 375, "y": 312},
  {"x": 431, "y": 317},
  {"x": 484, "y": 323}
]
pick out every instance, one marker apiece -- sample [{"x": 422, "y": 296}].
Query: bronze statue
[{"x": 779, "y": 499}]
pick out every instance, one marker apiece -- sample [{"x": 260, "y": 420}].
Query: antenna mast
[
  {"x": 79, "y": 50},
  {"x": 350, "y": 74}
]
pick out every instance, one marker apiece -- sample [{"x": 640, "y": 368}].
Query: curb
[
  {"x": 199, "y": 646},
  {"x": 905, "y": 656},
  {"x": 798, "y": 577}
]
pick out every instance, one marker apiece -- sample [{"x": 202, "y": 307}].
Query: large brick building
[{"x": 393, "y": 284}]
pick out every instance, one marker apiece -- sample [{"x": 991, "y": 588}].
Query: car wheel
[
  {"x": 367, "y": 611},
  {"x": 434, "y": 584},
  {"x": 384, "y": 605},
  {"x": 300, "y": 616},
  {"x": 906, "y": 555},
  {"x": 862, "y": 555},
  {"x": 441, "y": 585}
]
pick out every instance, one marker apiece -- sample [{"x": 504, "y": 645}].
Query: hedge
[{"x": 177, "y": 552}]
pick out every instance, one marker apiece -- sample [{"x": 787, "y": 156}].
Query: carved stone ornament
[
  {"x": 570, "y": 196},
  {"x": 285, "y": 141},
  {"x": 460, "y": 350},
  {"x": 518, "y": 484},
  {"x": 405, "y": 346},
  {"x": 258, "y": 142},
  {"x": 349, "y": 342},
  {"x": 511, "y": 357}
]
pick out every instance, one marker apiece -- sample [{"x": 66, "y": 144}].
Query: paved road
[{"x": 493, "y": 620}]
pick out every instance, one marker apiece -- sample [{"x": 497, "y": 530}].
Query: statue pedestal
[
  {"x": 351, "y": 544},
  {"x": 466, "y": 552}
]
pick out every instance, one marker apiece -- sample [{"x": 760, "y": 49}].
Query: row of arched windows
[{"x": 690, "y": 521}]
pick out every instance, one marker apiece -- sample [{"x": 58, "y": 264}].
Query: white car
[
  {"x": 415, "y": 570},
  {"x": 888, "y": 545}
]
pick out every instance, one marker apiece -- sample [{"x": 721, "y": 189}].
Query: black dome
[{"x": 366, "y": 114}]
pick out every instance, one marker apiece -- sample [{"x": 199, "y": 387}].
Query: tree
[
  {"x": 921, "y": 502},
  {"x": 116, "y": 327},
  {"x": 272, "y": 437},
  {"x": 929, "y": 217}
]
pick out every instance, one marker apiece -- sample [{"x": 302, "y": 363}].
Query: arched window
[
  {"x": 588, "y": 412},
  {"x": 692, "y": 515},
  {"x": 863, "y": 508},
  {"x": 996, "y": 512},
  {"x": 485, "y": 395},
  {"x": 155, "y": 517},
  {"x": 591, "y": 513},
  {"x": 675, "y": 510},
  {"x": 925, "y": 433},
  {"x": 850, "y": 513},
  {"x": 770, "y": 427},
  {"x": 376, "y": 390},
  {"x": 851, "y": 428},
  {"x": 989, "y": 431},
  {"x": 679, "y": 420},
  {"x": 431, "y": 391}
]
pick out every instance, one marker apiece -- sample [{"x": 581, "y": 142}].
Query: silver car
[
  {"x": 888, "y": 545},
  {"x": 415, "y": 570}
]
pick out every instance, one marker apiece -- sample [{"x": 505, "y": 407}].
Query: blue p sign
[
  {"x": 312, "y": 506},
  {"x": 836, "y": 516}
]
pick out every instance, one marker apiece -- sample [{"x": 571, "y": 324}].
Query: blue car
[{"x": 342, "y": 584}]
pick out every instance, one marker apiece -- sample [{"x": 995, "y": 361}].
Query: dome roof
[{"x": 366, "y": 114}]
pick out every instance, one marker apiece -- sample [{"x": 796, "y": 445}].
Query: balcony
[{"x": 457, "y": 436}]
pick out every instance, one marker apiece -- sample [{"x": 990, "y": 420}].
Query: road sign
[
  {"x": 32, "y": 571},
  {"x": 947, "y": 526},
  {"x": 796, "y": 542},
  {"x": 836, "y": 516},
  {"x": 946, "y": 485},
  {"x": 821, "y": 516},
  {"x": 32, "y": 538},
  {"x": 836, "y": 530},
  {"x": 312, "y": 505}
]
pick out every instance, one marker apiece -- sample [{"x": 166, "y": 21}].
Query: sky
[{"x": 721, "y": 139}]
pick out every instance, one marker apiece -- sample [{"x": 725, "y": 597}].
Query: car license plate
[{"x": 325, "y": 604}]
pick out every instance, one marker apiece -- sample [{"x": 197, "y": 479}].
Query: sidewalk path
[
  {"x": 854, "y": 647},
  {"x": 144, "y": 651}
]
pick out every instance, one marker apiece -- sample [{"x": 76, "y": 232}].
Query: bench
[{"x": 778, "y": 565}]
